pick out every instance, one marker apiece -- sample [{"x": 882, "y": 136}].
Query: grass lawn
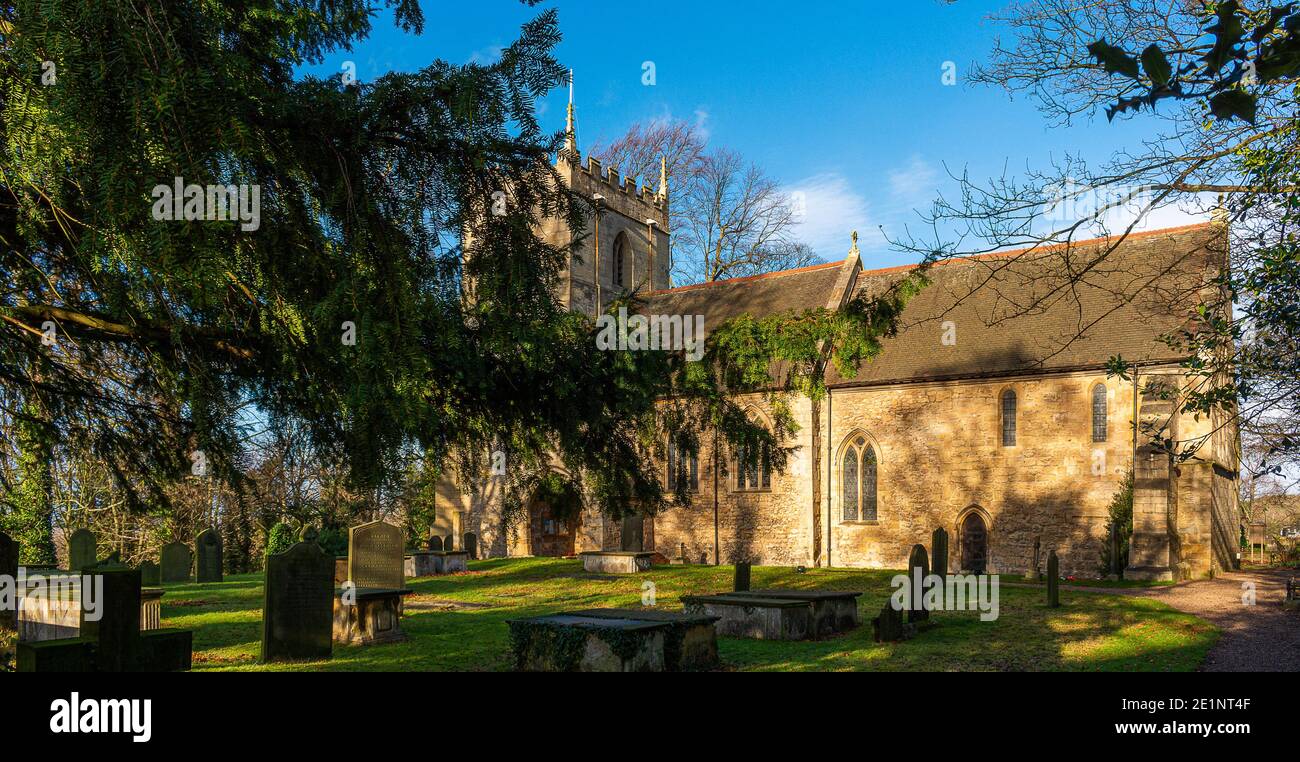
[{"x": 458, "y": 623}]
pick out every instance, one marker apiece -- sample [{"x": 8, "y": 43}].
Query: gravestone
[
  {"x": 889, "y": 627},
  {"x": 375, "y": 555},
  {"x": 308, "y": 534},
  {"x": 1053, "y": 580},
  {"x": 207, "y": 556},
  {"x": 471, "y": 545},
  {"x": 113, "y": 642},
  {"x": 741, "y": 582},
  {"x": 1032, "y": 573},
  {"x": 8, "y": 568},
  {"x": 449, "y": 542},
  {"x": 939, "y": 543},
  {"x": 83, "y": 550},
  {"x": 917, "y": 562},
  {"x": 150, "y": 574},
  {"x": 175, "y": 562},
  {"x": 435, "y": 543},
  {"x": 298, "y": 605}
]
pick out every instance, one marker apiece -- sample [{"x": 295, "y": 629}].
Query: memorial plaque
[
  {"x": 207, "y": 551},
  {"x": 176, "y": 562},
  {"x": 298, "y": 605},
  {"x": 375, "y": 554},
  {"x": 83, "y": 550}
]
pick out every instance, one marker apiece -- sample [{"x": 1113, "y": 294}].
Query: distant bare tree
[{"x": 727, "y": 217}]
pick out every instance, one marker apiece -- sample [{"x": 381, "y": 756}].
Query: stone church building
[{"x": 990, "y": 413}]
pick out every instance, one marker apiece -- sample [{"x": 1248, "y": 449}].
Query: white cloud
[
  {"x": 831, "y": 210},
  {"x": 702, "y": 123},
  {"x": 915, "y": 183},
  {"x": 486, "y": 56}
]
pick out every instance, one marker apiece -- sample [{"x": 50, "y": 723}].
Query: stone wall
[{"x": 940, "y": 456}]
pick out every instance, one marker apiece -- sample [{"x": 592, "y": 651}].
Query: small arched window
[
  {"x": 621, "y": 252},
  {"x": 1009, "y": 418},
  {"x": 1099, "y": 413},
  {"x": 858, "y": 479}
]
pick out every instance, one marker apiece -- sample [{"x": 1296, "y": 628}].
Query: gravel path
[{"x": 1260, "y": 638}]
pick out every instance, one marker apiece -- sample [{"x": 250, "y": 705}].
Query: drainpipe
[
  {"x": 598, "y": 199},
  {"x": 830, "y": 465},
  {"x": 716, "y": 544}
]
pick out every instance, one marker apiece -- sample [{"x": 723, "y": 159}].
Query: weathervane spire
[{"x": 570, "y": 129}]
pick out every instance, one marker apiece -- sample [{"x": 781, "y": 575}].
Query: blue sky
[{"x": 841, "y": 101}]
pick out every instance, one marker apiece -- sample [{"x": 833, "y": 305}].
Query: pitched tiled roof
[
  {"x": 1016, "y": 312},
  {"x": 759, "y": 295},
  {"x": 1013, "y": 311}
]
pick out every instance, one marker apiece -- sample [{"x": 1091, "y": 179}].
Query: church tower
[{"x": 625, "y": 245}]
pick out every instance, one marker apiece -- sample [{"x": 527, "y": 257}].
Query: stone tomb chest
[
  {"x": 616, "y": 561},
  {"x": 614, "y": 640},
  {"x": 779, "y": 614},
  {"x": 429, "y": 563}
]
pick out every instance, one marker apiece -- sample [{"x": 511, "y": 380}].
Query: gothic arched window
[
  {"x": 1008, "y": 418},
  {"x": 753, "y": 467},
  {"x": 683, "y": 469},
  {"x": 858, "y": 479},
  {"x": 1099, "y": 413}
]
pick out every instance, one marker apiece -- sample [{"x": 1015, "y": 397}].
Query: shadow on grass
[{"x": 461, "y": 623}]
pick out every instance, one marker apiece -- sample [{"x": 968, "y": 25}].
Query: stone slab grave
[
  {"x": 780, "y": 614},
  {"x": 833, "y": 611},
  {"x": 692, "y": 644},
  {"x": 53, "y": 611},
  {"x": 742, "y": 615},
  {"x": 114, "y": 642},
  {"x": 429, "y": 563},
  {"x": 368, "y": 608},
  {"x": 616, "y": 561},
  {"x": 174, "y": 562},
  {"x": 298, "y": 605},
  {"x": 8, "y": 568},
  {"x": 83, "y": 550},
  {"x": 208, "y": 557},
  {"x": 613, "y": 640}
]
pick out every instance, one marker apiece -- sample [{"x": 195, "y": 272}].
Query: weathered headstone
[
  {"x": 918, "y": 568},
  {"x": 207, "y": 556},
  {"x": 8, "y": 568},
  {"x": 939, "y": 544},
  {"x": 83, "y": 550},
  {"x": 741, "y": 582},
  {"x": 1053, "y": 580},
  {"x": 435, "y": 543},
  {"x": 889, "y": 625},
  {"x": 150, "y": 574},
  {"x": 298, "y": 604},
  {"x": 175, "y": 562},
  {"x": 375, "y": 554},
  {"x": 471, "y": 545},
  {"x": 309, "y": 533},
  {"x": 113, "y": 642},
  {"x": 449, "y": 542},
  {"x": 1031, "y": 574}
]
